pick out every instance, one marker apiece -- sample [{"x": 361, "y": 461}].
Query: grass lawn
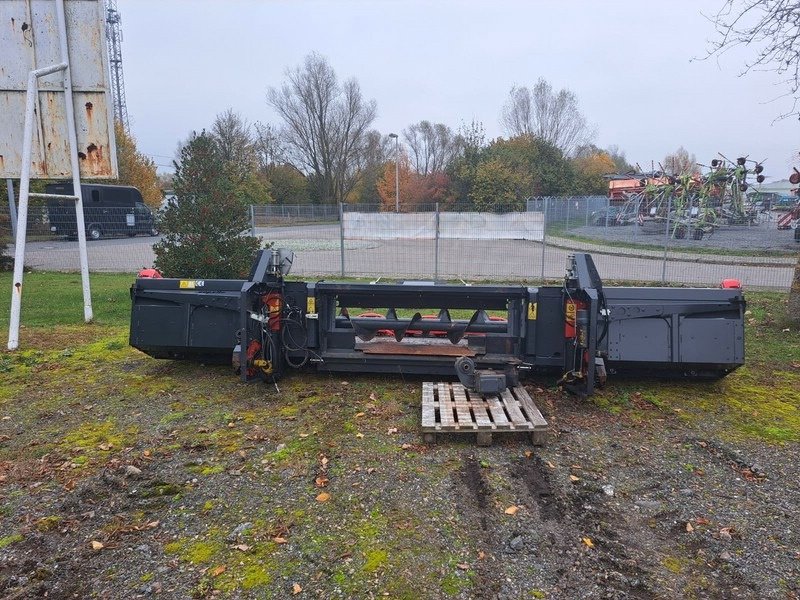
[{"x": 57, "y": 299}]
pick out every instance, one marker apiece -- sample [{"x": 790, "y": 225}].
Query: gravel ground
[
  {"x": 126, "y": 477},
  {"x": 763, "y": 237}
]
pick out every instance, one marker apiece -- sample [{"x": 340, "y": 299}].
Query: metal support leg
[
  {"x": 12, "y": 207},
  {"x": 22, "y": 213},
  {"x": 74, "y": 165}
]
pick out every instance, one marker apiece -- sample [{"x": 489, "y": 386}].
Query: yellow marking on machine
[
  {"x": 190, "y": 284},
  {"x": 532, "y": 309}
]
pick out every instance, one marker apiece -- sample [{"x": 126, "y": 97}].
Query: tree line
[{"x": 324, "y": 149}]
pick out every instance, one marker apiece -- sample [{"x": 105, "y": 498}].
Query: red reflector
[
  {"x": 731, "y": 284},
  {"x": 149, "y": 274}
]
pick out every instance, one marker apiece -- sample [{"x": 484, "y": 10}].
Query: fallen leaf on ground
[
  {"x": 528, "y": 453},
  {"x": 153, "y": 524},
  {"x": 574, "y": 478},
  {"x": 360, "y": 414},
  {"x": 97, "y": 545},
  {"x": 406, "y": 446},
  {"x": 303, "y": 435},
  {"x": 282, "y": 540},
  {"x": 463, "y": 566},
  {"x": 321, "y": 481},
  {"x": 588, "y": 542},
  {"x": 323, "y": 497},
  {"x": 702, "y": 521},
  {"x": 391, "y": 430},
  {"x": 105, "y": 446},
  {"x": 242, "y": 547},
  {"x": 511, "y": 510},
  {"x": 689, "y": 528},
  {"x": 551, "y": 465},
  {"x": 481, "y": 555},
  {"x": 296, "y": 589},
  {"x": 217, "y": 571},
  {"x": 359, "y": 435},
  {"x": 372, "y": 397}
]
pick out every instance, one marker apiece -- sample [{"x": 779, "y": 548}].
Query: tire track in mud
[
  {"x": 478, "y": 507},
  {"x": 566, "y": 517}
]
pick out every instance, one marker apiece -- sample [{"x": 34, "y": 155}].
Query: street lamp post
[{"x": 396, "y": 171}]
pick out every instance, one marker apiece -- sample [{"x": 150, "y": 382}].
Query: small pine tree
[{"x": 203, "y": 227}]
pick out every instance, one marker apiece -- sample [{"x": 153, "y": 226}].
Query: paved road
[{"x": 317, "y": 253}]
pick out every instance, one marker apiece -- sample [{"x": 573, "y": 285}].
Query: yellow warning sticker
[
  {"x": 311, "y": 305},
  {"x": 571, "y": 310},
  {"x": 532, "y": 307},
  {"x": 190, "y": 284}
]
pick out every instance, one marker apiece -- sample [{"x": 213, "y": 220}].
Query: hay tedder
[{"x": 486, "y": 336}]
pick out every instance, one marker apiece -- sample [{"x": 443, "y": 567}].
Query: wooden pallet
[{"x": 451, "y": 408}]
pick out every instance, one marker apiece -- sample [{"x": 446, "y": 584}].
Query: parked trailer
[{"x": 580, "y": 331}]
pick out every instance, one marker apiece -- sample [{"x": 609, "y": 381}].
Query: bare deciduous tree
[
  {"x": 680, "y": 162},
  {"x": 772, "y": 28},
  {"x": 432, "y": 146},
  {"x": 548, "y": 115},
  {"x": 233, "y": 136},
  {"x": 620, "y": 161},
  {"x": 325, "y": 123},
  {"x": 269, "y": 146}
]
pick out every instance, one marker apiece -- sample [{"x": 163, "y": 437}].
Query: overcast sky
[{"x": 629, "y": 63}]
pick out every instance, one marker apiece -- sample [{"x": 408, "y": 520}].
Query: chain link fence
[
  {"x": 456, "y": 242},
  {"x": 447, "y": 242},
  {"x": 119, "y": 239},
  {"x": 264, "y": 215}
]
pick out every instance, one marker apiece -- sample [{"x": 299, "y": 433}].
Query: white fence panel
[
  {"x": 452, "y": 225},
  {"x": 490, "y": 226},
  {"x": 389, "y": 226}
]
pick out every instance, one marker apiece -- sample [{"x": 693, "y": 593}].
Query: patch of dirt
[{"x": 210, "y": 488}]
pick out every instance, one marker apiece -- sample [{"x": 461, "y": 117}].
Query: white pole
[
  {"x": 22, "y": 212},
  {"x": 396, "y": 171},
  {"x": 396, "y": 174},
  {"x": 12, "y": 206},
  {"x": 76, "y": 174}
]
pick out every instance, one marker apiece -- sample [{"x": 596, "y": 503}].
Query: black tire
[
  {"x": 697, "y": 234},
  {"x": 93, "y": 232},
  {"x": 680, "y": 233}
]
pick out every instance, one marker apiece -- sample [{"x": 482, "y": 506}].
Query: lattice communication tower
[{"x": 114, "y": 41}]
